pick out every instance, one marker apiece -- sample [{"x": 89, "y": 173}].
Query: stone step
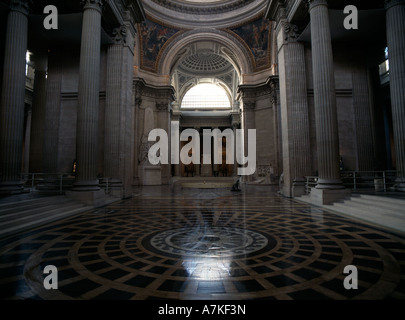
[
  {"x": 32, "y": 207},
  {"x": 14, "y": 201},
  {"x": 374, "y": 208},
  {"x": 32, "y": 222},
  {"x": 393, "y": 222},
  {"x": 383, "y": 199},
  {"x": 380, "y": 204},
  {"x": 32, "y": 211},
  {"x": 32, "y": 216}
]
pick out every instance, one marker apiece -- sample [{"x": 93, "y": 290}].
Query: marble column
[
  {"x": 276, "y": 107},
  {"x": 89, "y": 84},
  {"x": 329, "y": 188},
  {"x": 197, "y": 166},
  {"x": 12, "y": 98},
  {"x": 175, "y": 123},
  {"x": 327, "y": 134},
  {"x": 114, "y": 110},
  {"x": 395, "y": 14},
  {"x": 363, "y": 118},
  {"x": 294, "y": 110},
  {"x": 52, "y": 116},
  {"x": 235, "y": 126},
  {"x": 38, "y": 113},
  {"x": 249, "y": 123}
]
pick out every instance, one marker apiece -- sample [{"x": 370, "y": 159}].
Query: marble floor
[{"x": 192, "y": 244}]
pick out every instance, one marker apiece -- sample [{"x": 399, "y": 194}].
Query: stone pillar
[
  {"x": 87, "y": 115},
  {"x": 235, "y": 126},
  {"x": 27, "y": 141},
  {"x": 275, "y": 103},
  {"x": 249, "y": 123},
  {"x": 327, "y": 135},
  {"x": 175, "y": 123},
  {"x": 163, "y": 116},
  {"x": 52, "y": 115},
  {"x": 294, "y": 110},
  {"x": 114, "y": 111},
  {"x": 89, "y": 92},
  {"x": 12, "y": 98},
  {"x": 138, "y": 87},
  {"x": 395, "y": 13},
  {"x": 363, "y": 118},
  {"x": 38, "y": 113},
  {"x": 197, "y": 166}
]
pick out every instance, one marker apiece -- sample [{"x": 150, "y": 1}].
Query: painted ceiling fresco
[
  {"x": 254, "y": 36},
  {"x": 153, "y": 37}
]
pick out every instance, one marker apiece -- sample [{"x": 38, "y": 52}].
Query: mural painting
[
  {"x": 153, "y": 38},
  {"x": 256, "y": 37}
]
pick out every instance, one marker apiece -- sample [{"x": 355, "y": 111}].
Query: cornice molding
[{"x": 202, "y": 10}]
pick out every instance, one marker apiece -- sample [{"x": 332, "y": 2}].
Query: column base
[
  {"x": 11, "y": 187},
  {"x": 113, "y": 187},
  {"x": 91, "y": 198},
  {"x": 330, "y": 184},
  {"x": 92, "y": 185},
  {"x": 151, "y": 175},
  {"x": 298, "y": 187},
  {"x": 399, "y": 185},
  {"x": 327, "y": 196},
  {"x": 49, "y": 187}
]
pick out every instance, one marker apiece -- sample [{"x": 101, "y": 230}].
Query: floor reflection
[{"x": 204, "y": 244}]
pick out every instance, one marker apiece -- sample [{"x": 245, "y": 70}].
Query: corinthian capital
[
  {"x": 392, "y": 3},
  {"x": 291, "y": 32},
  {"x": 314, "y": 3},
  {"x": 119, "y": 35},
  {"x": 20, "y": 6},
  {"x": 93, "y": 4}
]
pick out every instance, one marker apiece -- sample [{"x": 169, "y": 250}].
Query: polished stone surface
[{"x": 173, "y": 243}]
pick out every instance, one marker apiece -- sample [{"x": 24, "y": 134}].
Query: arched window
[{"x": 206, "y": 96}]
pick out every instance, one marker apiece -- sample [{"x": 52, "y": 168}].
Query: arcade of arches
[{"x": 80, "y": 101}]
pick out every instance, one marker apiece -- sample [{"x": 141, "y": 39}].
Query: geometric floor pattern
[{"x": 206, "y": 244}]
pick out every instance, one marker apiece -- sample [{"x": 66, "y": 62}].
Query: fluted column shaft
[
  {"x": 113, "y": 111},
  {"x": 12, "y": 98},
  {"x": 396, "y": 49},
  {"x": 38, "y": 113},
  {"x": 363, "y": 119},
  {"x": 299, "y": 112},
  {"x": 294, "y": 110},
  {"x": 248, "y": 123},
  {"x": 89, "y": 92},
  {"x": 327, "y": 134},
  {"x": 52, "y": 114}
]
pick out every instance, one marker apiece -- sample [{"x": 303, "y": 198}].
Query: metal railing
[
  {"x": 52, "y": 182},
  {"x": 55, "y": 182},
  {"x": 357, "y": 181}
]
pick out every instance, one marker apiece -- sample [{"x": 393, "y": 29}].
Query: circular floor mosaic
[
  {"x": 224, "y": 246},
  {"x": 210, "y": 242}
]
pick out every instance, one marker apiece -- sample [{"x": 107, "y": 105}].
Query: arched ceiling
[
  {"x": 212, "y": 13},
  {"x": 205, "y": 62}
]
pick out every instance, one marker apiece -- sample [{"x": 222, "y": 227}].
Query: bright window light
[
  {"x": 27, "y": 61},
  {"x": 206, "y": 96}
]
